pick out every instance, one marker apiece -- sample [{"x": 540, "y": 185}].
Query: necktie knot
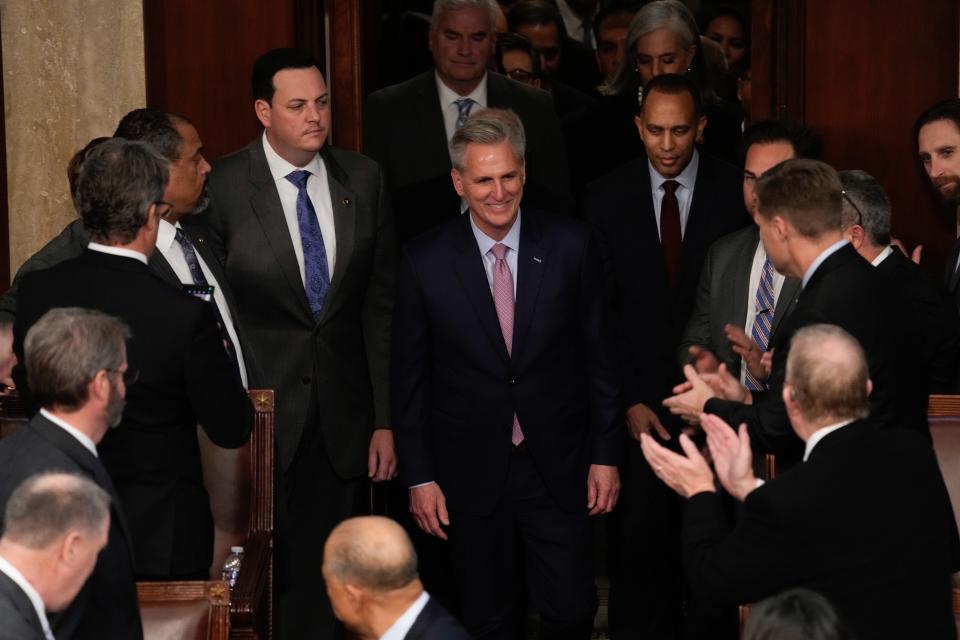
[
  {"x": 464, "y": 105},
  {"x": 499, "y": 251},
  {"x": 182, "y": 238},
  {"x": 298, "y": 178},
  {"x": 670, "y": 186}
]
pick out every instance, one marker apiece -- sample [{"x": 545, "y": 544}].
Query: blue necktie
[
  {"x": 315, "y": 267},
  {"x": 464, "y": 105},
  {"x": 764, "y": 305}
]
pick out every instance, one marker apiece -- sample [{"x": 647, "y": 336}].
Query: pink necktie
[{"x": 503, "y": 300}]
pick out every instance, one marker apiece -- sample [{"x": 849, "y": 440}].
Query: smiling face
[
  {"x": 462, "y": 44},
  {"x": 939, "y": 150},
  {"x": 297, "y": 119},
  {"x": 669, "y": 128},
  {"x": 492, "y": 184},
  {"x": 659, "y": 52}
]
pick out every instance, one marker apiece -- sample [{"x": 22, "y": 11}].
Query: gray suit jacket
[
  {"x": 336, "y": 367},
  {"x": 18, "y": 618},
  {"x": 722, "y": 297}
]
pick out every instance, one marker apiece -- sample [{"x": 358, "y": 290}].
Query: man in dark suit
[
  {"x": 408, "y": 126},
  {"x": 177, "y": 140},
  {"x": 655, "y": 241},
  {"x": 741, "y": 299},
  {"x": 55, "y": 524},
  {"x": 798, "y": 212},
  {"x": 506, "y": 393},
  {"x": 370, "y": 569},
  {"x": 185, "y": 374},
  {"x": 305, "y": 236},
  {"x": 880, "y": 546},
  {"x": 77, "y": 363},
  {"x": 937, "y": 131},
  {"x": 933, "y": 319}
]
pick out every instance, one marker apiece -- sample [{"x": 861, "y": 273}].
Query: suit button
[{"x": 305, "y": 380}]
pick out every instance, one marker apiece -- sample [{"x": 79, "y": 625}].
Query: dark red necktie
[{"x": 670, "y": 229}]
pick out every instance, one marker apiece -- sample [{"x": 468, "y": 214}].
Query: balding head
[
  {"x": 827, "y": 379},
  {"x": 371, "y": 552}
]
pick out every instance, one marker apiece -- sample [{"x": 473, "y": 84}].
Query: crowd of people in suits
[{"x": 569, "y": 282}]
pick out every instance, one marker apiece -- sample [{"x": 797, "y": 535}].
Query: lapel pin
[
  {"x": 346, "y": 202},
  {"x": 537, "y": 260}
]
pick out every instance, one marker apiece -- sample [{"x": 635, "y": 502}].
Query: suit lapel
[
  {"x": 21, "y": 602},
  {"x": 162, "y": 268},
  {"x": 789, "y": 293},
  {"x": 343, "y": 201},
  {"x": 434, "y": 150},
  {"x": 468, "y": 264},
  {"x": 740, "y": 293},
  {"x": 531, "y": 262},
  {"x": 265, "y": 202}
]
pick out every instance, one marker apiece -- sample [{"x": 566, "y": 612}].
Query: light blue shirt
[
  {"x": 684, "y": 192},
  {"x": 401, "y": 627},
  {"x": 829, "y": 251},
  {"x": 512, "y": 242}
]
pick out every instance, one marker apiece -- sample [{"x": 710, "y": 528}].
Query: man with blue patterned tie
[{"x": 305, "y": 235}]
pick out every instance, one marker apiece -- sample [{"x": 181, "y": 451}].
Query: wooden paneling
[
  {"x": 346, "y": 72},
  {"x": 4, "y": 208}
]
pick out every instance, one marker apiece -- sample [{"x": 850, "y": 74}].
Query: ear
[
  {"x": 638, "y": 120},
  {"x": 70, "y": 547},
  {"x": 869, "y": 387},
  {"x": 354, "y": 594},
  {"x": 99, "y": 388},
  {"x": 701, "y": 125},
  {"x": 854, "y": 234},
  {"x": 262, "y": 109},
  {"x": 780, "y": 226},
  {"x": 788, "y": 393},
  {"x": 153, "y": 220},
  {"x": 457, "y": 181}
]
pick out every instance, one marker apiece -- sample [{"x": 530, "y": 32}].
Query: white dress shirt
[
  {"x": 882, "y": 256},
  {"x": 448, "y": 103},
  {"x": 14, "y": 574},
  {"x": 829, "y": 251},
  {"x": 574, "y": 25},
  {"x": 756, "y": 271},
  {"x": 401, "y": 627},
  {"x": 117, "y": 251},
  {"x": 684, "y": 192},
  {"x": 319, "y": 191},
  {"x": 485, "y": 244},
  {"x": 83, "y": 438},
  {"x": 819, "y": 435},
  {"x": 172, "y": 251}
]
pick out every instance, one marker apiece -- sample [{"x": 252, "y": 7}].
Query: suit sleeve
[
  {"x": 698, "y": 327},
  {"x": 213, "y": 385},
  {"x": 411, "y": 379},
  {"x": 377, "y": 312}
]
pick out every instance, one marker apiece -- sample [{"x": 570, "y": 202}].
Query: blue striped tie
[
  {"x": 315, "y": 267},
  {"x": 464, "y": 105},
  {"x": 764, "y": 306}
]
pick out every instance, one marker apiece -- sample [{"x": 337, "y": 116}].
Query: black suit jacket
[
  {"x": 185, "y": 378},
  {"x": 846, "y": 291},
  {"x": 20, "y": 620},
  {"x": 933, "y": 319},
  {"x": 879, "y": 545},
  {"x": 456, "y": 389},
  {"x": 951, "y": 275},
  {"x": 107, "y": 606},
  {"x": 434, "y": 623},
  {"x": 404, "y": 132},
  {"x": 346, "y": 350},
  {"x": 723, "y": 293},
  {"x": 651, "y": 312}
]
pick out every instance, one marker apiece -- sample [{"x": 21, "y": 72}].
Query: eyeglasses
[
  {"x": 129, "y": 376},
  {"x": 853, "y": 204},
  {"x": 161, "y": 212},
  {"x": 521, "y": 75}
]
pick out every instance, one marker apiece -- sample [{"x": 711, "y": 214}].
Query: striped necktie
[
  {"x": 464, "y": 105},
  {"x": 764, "y": 305}
]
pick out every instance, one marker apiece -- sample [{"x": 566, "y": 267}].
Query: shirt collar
[
  {"x": 819, "y": 435},
  {"x": 117, "y": 251},
  {"x": 829, "y": 251},
  {"x": 448, "y": 96},
  {"x": 687, "y": 177},
  {"x": 72, "y": 430},
  {"x": 882, "y": 256},
  {"x": 166, "y": 235},
  {"x": 570, "y": 19},
  {"x": 402, "y": 625},
  {"x": 14, "y": 574},
  {"x": 485, "y": 242},
  {"x": 280, "y": 168}
]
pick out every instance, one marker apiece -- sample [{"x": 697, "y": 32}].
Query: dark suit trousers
[
  {"x": 313, "y": 499},
  {"x": 528, "y": 538}
]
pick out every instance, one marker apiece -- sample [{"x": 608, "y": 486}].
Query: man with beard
[
  {"x": 77, "y": 361},
  {"x": 938, "y": 140},
  {"x": 185, "y": 375},
  {"x": 183, "y": 256}
]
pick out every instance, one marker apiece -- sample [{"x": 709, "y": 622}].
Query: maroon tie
[{"x": 670, "y": 229}]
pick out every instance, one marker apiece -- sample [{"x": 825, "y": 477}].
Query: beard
[
  {"x": 950, "y": 196},
  {"x": 202, "y": 202},
  {"x": 115, "y": 406}
]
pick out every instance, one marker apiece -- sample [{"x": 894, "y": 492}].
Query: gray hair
[
  {"x": 669, "y": 14},
  {"x": 488, "y": 126},
  {"x": 118, "y": 182},
  {"x": 828, "y": 371},
  {"x": 46, "y": 506},
  {"x": 66, "y": 348},
  {"x": 864, "y": 195},
  {"x": 490, "y": 6}
]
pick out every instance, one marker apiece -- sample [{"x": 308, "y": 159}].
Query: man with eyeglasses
[
  {"x": 185, "y": 375},
  {"x": 935, "y": 323}
]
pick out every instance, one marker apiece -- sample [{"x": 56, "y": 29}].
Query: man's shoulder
[
  {"x": 20, "y": 620},
  {"x": 238, "y": 160},
  {"x": 352, "y": 162},
  {"x": 435, "y": 623},
  {"x": 736, "y": 241},
  {"x": 513, "y": 93},
  {"x": 402, "y": 90},
  {"x": 717, "y": 168}
]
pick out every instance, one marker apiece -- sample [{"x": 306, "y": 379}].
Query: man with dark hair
[
  {"x": 518, "y": 60},
  {"x": 610, "y": 26},
  {"x": 506, "y": 393},
  {"x": 934, "y": 321},
  {"x": 185, "y": 375},
  {"x": 741, "y": 299},
  {"x": 798, "y": 212},
  {"x": 55, "y": 524},
  {"x": 305, "y": 233},
  {"x": 408, "y": 126},
  {"x": 561, "y": 57},
  {"x": 937, "y": 132},
  {"x": 656, "y": 216},
  {"x": 880, "y": 545},
  {"x": 77, "y": 362},
  {"x": 370, "y": 569}
]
